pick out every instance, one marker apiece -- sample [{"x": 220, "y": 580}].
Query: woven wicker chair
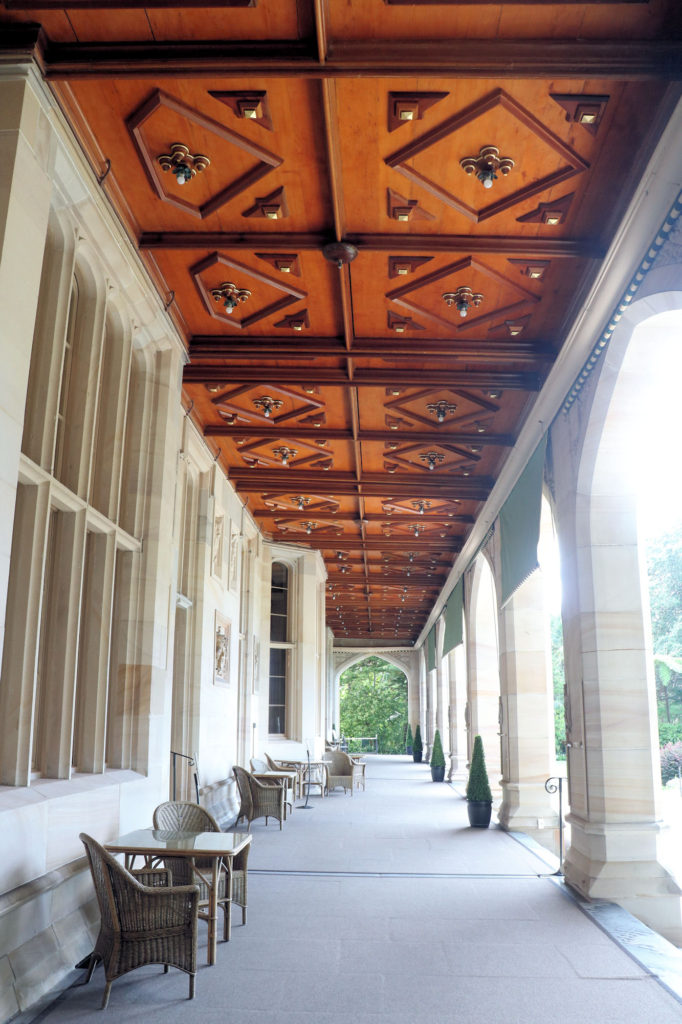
[
  {"x": 181, "y": 816},
  {"x": 259, "y": 800},
  {"x": 289, "y": 777},
  {"x": 141, "y": 923},
  {"x": 342, "y": 771},
  {"x": 288, "y": 766}
]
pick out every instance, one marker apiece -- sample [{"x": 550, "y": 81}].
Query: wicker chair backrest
[
  {"x": 183, "y": 816},
  {"x": 244, "y": 785},
  {"x": 257, "y": 765}
]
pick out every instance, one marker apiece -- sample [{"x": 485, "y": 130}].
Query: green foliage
[
  {"x": 560, "y": 728},
  {"x": 408, "y": 738},
  {"x": 437, "y": 755},
  {"x": 664, "y": 558},
  {"x": 373, "y": 702},
  {"x": 417, "y": 745},
  {"x": 670, "y": 732},
  {"x": 558, "y": 680},
  {"x": 671, "y": 761},
  {"x": 478, "y": 787}
]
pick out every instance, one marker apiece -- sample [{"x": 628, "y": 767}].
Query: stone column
[
  {"x": 457, "y": 728},
  {"x": 612, "y": 751},
  {"x": 527, "y": 722},
  {"x": 25, "y": 193}
]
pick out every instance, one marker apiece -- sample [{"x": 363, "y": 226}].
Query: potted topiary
[
  {"x": 479, "y": 797},
  {"x": 437, "y": 759},
  {"x": 417, "y": 745},
  {"x": 408, "y": 739}
]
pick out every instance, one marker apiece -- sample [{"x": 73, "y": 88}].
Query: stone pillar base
[
  {"x": 527, "y": 807},
  {"x": 619, "y": 862}
]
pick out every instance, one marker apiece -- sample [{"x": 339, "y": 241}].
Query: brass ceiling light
[
  {"x": 309, "y": 527},
  {"x": 182, "y": 163},
  {"x": 302, "y": 501},
  {"x": 267, "y": 405},
  {"x": 441, "y": 409},
  {"x": 463, "y": 299},
  {"x": 487, "y": 165},
  {"x": 432, "y": 459},
  {"x": 285, "y": 453},
  {"x": 421, "y": 506},
  {"x": 230, "y": 295}
]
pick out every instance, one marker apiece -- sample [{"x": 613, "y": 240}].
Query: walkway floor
[{"x": 387, "y": 907}]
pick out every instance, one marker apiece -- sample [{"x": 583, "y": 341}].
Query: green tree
[
  {"x": 373, "y": 702},
  {"x": 558, "y": 681},
  {"x": 664, "y": 560}
]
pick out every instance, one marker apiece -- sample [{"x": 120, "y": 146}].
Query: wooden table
[{"x": 156, "y": 844}]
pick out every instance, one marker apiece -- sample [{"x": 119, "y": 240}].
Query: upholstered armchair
[
  {"x": 181, "y": 816},
  {"x": 141, "y": 923},
  {"x": 258, "y": 799}
]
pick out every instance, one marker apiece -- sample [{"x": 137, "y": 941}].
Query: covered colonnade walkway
[{"x": 389, "y": 907}]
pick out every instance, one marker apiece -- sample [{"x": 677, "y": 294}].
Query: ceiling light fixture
[
  {"x": 463, "y": 298},
  {"x": 432, "y": 458},
  {"x": 301, "y": 501},
  {"x": 285, "y": 453},
  {"x": 182, "y": 163},
  {"x": 267, "y": 405},
  {"x": 421, "y": 505},
  {"x": 487, "y": 165},
  {"x": 230, "y": 295},
  {"x": 441, "y": 409}
]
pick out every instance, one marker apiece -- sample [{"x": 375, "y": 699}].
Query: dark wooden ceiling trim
[
  {"x": 421, "y": 436},
  {"x": 363, "y": 377},
  {"x": 560, "y": 248},
  {"x": 216, "y": 347},
  {"x": 123, "y": 5},
  {"x": 468, "y": 58},
  {"x": 373, "y": 485}
]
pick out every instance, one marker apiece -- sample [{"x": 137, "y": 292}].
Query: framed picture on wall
[
  {"x": 233, "y": 583},
  {"x": 221, "y": 670}
]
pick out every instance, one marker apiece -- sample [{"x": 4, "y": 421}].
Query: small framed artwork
[
  {"x": 221, "y": 670},
  {"x": 234, "y": 558}
]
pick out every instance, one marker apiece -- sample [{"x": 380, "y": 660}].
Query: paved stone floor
[{"x": 386, "y": 907}]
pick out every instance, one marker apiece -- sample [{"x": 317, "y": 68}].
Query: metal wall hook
[
  {"x": 101, "y": 177},
  {"x": 170, "y": 302},
  {"x": 189, "y": 408}
]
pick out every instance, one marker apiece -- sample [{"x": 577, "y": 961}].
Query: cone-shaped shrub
[
  {"x": 417, "y": 742},
  {"x": 408, "y": 738},
  {"x": 437, "y": 755},
  {"x": 478, "y": 787}
]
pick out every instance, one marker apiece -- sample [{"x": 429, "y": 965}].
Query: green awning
[
  {"x": 454, "y": 634},
  {"x": 520, "y": 524},
  {"x": 431, "y": 649}
]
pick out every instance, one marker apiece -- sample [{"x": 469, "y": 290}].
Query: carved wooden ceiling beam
[
  {"x": 207, "y": 348},
  {"x": 623, "y": 59},
  {"x": 403, "y": 436},
  {"x": 381, "y": 377},
  {"x": 372, "y": 485},
  {"x": 557, "y": 248}
]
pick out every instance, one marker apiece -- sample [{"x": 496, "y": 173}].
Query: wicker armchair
[
  {"x": 180, "y": 816},
  {"x": 259, "y": 800},
  {"x": 288, "y": 778},
  {"x": 343, "y": 771},
  {"x": 141, "y": 924},
  {"x": 287, "y": 766}
]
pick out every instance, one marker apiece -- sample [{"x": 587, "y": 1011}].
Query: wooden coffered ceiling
[{"x": 354, "y": 409}]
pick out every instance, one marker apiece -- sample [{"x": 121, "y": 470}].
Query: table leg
[
  {"x": 228, "y": 897},
  {"x": 213, "y": 911}
]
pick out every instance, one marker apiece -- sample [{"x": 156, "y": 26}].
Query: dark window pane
[
  {"x": 280, "y": 575},
  {"x": 278, "y": 662},
  {"x": 276, "y": 720},
  {"x": 278, "y": 604},
  {"x": 278, "y": 628},
  {"x": 277, "y": 690}
]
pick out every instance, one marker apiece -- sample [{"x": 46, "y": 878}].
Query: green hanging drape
[
  {"x": 453, "y": 618},
  {"x": 431, "y": 649},
  {"x": 520, "y": 524}
]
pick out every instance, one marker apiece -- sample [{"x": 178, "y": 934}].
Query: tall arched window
[{"x": 280, "y": 649}]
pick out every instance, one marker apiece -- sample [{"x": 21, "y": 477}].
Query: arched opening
[
  {"x": 373, "y": 703},
  {"x": 612, "y": 730},
  {"x": 483, "y": 664}
]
